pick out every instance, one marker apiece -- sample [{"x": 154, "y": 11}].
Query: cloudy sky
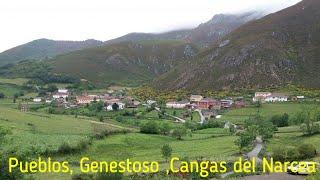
[{"x": 26, "y": 20}]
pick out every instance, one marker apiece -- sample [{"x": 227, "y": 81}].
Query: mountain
[
  {"x": 125, "y": 62},
  {"x": 281, "y": 48},
  {"x": 172, "y": 35},
  {"x": 203, "y": 35},
  {"x": 43, "y": 49}
]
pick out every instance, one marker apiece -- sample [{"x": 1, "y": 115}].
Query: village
[
  {"x": 207, "y": 107},
  {"x": 119, "y": 119}
]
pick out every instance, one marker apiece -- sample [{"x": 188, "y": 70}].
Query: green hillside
[
  {"x": 129, "y": 63},
  {"x": 279, "y": 49},
  {"x": 43, "y": 49}
]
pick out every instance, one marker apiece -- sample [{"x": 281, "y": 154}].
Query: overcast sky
[{"x": 27, "y": 20}]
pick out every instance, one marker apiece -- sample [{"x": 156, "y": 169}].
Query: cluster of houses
[
  {"x": 210, "y": 105},
  {"x": 108, "y": 100},
  {"x": 274, "y": 97},
  {"x": 61, "y": 95},
  {"x": 63, "y": 98},
  {"x": 200, "y": 102}
]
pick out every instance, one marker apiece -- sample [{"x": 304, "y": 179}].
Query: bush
[
  {"x": 179, "y": 132},
  {"x": 165, "y": 128},
  {"x": 313, "y": 128},
  {"x": 119, "y": 118},
  {"x": 82, "y": 177},
  {"x": 65, "y": 148},
  {"x": 286, "y": 154},
  {"x": 244, "y": 140},
  {"x": 166, "y": 151},
  {"x": 211, "y": 124},
  {"x": 280, "y": 120},
  {"x": 150, "y": 127},
  {"x": 2, "y": 96},
  {"x": 307, "y": 151},
  {"x": 127, "y": 113},
  {"x": 4, "y": 171}
]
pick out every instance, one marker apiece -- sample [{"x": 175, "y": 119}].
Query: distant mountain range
[
  {"x": 203, "y": 35},
  {"x": 247, "y": 50},
  {"x": 134, "y": 58},
  {"x": 44, "y": 49},
  {"x": 279, "y": 49},
  {"x": 131, "y": 63}
]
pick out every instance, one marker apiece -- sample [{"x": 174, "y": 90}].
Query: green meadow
[
  {"x": 238, "y": 116},
  {"x": 37, "y": 133},
  {"x": 14, "y": 81}
]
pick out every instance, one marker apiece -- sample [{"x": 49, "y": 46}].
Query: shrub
[
  {"x": 101, "y": 118},
  {"x": 307, "y": 151},
  {"x": 119, "y": 118},
  {"x": 82, "y": 177},
  {"x": 164, "y": 128},
  {"x": 280, "y": 120},
  {"x": 179, "y": 132},
  {"x": 150, "y": 127},
  {"x": 286, "y": 154},
  {"x": 310, "y": 128},
  {"x": 83, "y": 144},
  {"x": 2, "y": 95},
  {"x": 65, "y": 148},
  {"x": 4, "y": 171},
  {"x": 244, "y": 140},
  {"x": 211, "y": 124},
  {"x": 115, "y": 107},
  {"x": 166, "y": 151}
]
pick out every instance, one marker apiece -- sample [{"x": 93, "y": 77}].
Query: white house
[
  {"x": 196, "y": 98},
  {"x": 275, "y": 97},
  {"x": 60, "y": 95},
  {"x": 62, "y": 90},
  {"x": 178, "y": 105},
  {"x": 84, "y": 99},
  {"x": 37, "y": 99},
  {"x": 150, "y": 102},
  {"x": 261, "y": 96},
  {"x": 48, "y": 101},
  {"x": 121, "y": 106}
]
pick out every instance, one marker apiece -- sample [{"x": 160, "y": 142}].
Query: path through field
[
  {"x": 256, "y": 150},
  {"x": 252, "y": 154},
  {"x": 202, "y": 118},
  {"x": 174, "y": 117}
]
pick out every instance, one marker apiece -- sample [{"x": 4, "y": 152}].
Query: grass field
[
  {"x": 9, "y": 89},
  {"x": 143, "y": 147},
  {"x": 238, "y": 116},
  {"x": 15, "y": 81},
  {"x": 38, "y": 131},
  {"x": 292, "y": 137}
]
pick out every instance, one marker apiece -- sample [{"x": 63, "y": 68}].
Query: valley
[
  {"x": 239, "y": 86},
  {"x": 69, "y": 130}
]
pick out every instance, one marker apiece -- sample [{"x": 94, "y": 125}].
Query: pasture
[
  {"x": 36, "y": 133},
  {"x": 238, "y": 116},
  {"x": 14, "y": 81},
  {"x": 292, "y": 137}
]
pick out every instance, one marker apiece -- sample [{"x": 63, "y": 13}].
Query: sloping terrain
[
  {"x": 43, "y": 49},
  {"x": 205, "y": 34},
  {"x": 124, "y": 63},
  {"x": 279, "y": 49}
]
